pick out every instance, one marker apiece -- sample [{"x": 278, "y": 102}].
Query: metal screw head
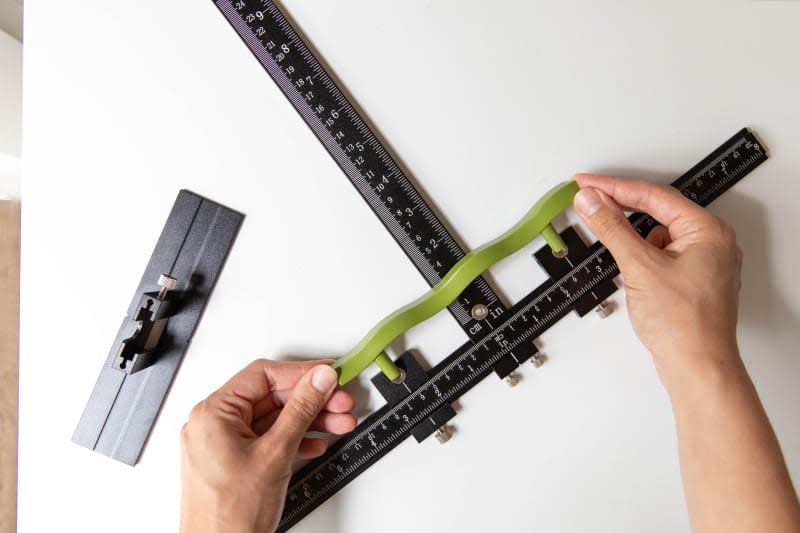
[
  {"x": 538, "y": 360},
  {"x": 512, "y": 379},
  {"x": 167, "y": 282},
  {"x": 400, "y": 378},
  {"x": 443, "y": 434},
  {"x": 604, "y": 309},
  {"x": 479, "y": 311}
]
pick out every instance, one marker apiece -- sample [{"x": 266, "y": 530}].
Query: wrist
[
  {"x": 706, "y": 365},
  {"x": 210, "y": 513}
]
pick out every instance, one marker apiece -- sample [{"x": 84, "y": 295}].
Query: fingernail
[
  {"x": 587, "y": 201},
  {"x": 324, "y": 378}
]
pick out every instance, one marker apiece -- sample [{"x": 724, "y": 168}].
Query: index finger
[{"x": 663, "y": 203}]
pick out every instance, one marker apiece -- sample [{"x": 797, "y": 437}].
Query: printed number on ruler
[{"x": 358, "y": 151}]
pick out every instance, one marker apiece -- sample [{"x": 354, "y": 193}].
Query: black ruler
[
  {"x": 359, "y": 153},
  {"x": 505, "y": 335}
]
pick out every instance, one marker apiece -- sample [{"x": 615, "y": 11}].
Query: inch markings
[
  {"x": 525, "y": 321},
  {"x": 337, "y": 124}
]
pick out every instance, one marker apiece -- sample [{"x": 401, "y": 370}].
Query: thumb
[
  {"x": 308, "y": 397},
  {"x": 607, "y": 221}
]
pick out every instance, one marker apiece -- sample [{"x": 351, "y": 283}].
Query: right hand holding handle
[{"x": 682, "y": 282}]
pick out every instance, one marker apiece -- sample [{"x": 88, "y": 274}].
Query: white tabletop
[{"x": 488, "y": 105}]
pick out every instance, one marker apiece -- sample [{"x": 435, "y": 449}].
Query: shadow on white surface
[
  {"x": 769, "y": 327},
  {"x": 762, "y": 305}
]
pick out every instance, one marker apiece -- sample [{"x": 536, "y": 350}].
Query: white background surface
[
  {"x": 10, "y": 116},
  {"x": 10, "y": 96},
  {"x": 488, "y": 105}
]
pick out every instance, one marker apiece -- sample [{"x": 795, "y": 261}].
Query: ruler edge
[{"x": 370, "y": 125}]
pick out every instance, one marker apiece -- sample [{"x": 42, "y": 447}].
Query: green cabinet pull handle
[{"x": 535, "y": 222}]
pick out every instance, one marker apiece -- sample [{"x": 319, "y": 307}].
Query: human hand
[
  {"x": 239, "y": 445},
  {"x": 681, "y": 283}
]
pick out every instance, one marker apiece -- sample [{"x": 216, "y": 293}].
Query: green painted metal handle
[{"x": 535, "y": 222}]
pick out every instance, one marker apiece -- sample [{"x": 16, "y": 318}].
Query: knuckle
[
  {"x": 191, "y": 433},
  {"x": 278, "y": 456},
  {"x": 705, "y": 221},
  {"x": 635, "y": 264},
  {"x": 305, "y": 408},
  {"x": 275, "y": 452},
  {"x": 185, "y": 433},
  {"x": 608, "y": 226},
  {"x": 729, "y": 243},
  {"x": 728, "y": 232},
  {"x": 258, "y": 363},
  {"x": 198, "y": 412},
  {"x": 721, "y": 232}
]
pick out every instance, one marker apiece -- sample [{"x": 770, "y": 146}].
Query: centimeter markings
[
  {"x": 335, "y": 121},
  {"x": 389, "y": 193},
  {"x": 526, "y": 320}
]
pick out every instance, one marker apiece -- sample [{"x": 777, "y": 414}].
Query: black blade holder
[
  {"x": 159, "y": 325},
  {"x": 139, "y": 350}
]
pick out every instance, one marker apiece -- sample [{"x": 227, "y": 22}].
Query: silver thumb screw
[
  {"x": 443, "y": 434},
  {"x": 604, "y": 309},
  {"x": 167, "y": 284},
  {"x": 538, "y": 360}
]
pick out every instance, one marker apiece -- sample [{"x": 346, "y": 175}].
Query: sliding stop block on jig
[{"x": 537, "y": 221}]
